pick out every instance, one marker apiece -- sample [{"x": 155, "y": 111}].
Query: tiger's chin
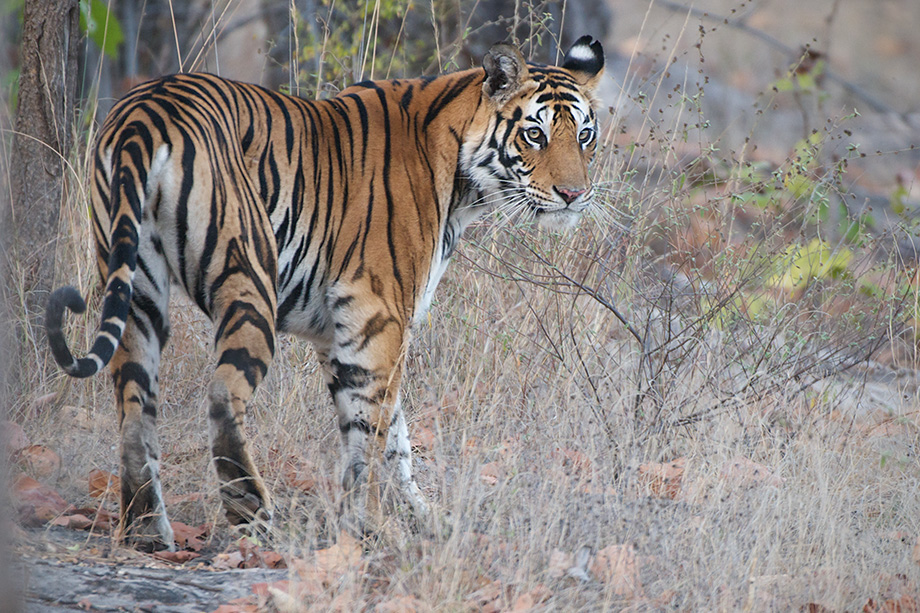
[{"x": 558, "y": 221}]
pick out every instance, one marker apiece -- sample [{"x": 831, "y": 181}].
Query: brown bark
[
  {"x": 9, "y": 593},
  {"x": 41, "y": 144}
]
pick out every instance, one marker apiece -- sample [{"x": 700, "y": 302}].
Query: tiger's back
[{"x": 332, "y": 219}]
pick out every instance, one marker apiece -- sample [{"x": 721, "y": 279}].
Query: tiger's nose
[{"x": 569, "y": 195}]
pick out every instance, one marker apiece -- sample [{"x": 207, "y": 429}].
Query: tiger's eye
[
  {"x": 585, "y": 136},
  {"x": 535, "y": 135}
]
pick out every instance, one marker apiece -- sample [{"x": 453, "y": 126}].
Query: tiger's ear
[
  {"x": 585, "y": 60},
  {"x": 506, "y": 72}
]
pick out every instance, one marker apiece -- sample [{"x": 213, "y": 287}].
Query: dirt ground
[{"x": 67, "y": 570}]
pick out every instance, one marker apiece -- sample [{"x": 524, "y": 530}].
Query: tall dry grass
[{"x": 542, "y": 411}]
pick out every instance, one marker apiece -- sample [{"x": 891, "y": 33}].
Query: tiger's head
[{"x": 531, "y": 149}]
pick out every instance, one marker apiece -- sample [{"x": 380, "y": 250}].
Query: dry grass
[{"x": 537, "y": 382}]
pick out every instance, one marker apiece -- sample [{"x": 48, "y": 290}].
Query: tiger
[{"x": 331, "y": 219}]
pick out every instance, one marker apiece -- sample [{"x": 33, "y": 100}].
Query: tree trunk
[
  {"x": 41, "y": 144},
  {"x": 10, "y": 592},
  {"x": 38, "y": 160}
]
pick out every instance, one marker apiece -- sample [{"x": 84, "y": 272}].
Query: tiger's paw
[
  {"x": 434, "y": 524},
  {"x": 259, "y": 531},
  {"x": 247, "y": 513},
  {"x": 148, "y": 533}
]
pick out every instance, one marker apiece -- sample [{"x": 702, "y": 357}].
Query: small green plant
[{"x": 101, "y": 26}]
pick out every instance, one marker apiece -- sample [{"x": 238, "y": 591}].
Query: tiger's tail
[{"x": 127, "y": 187}]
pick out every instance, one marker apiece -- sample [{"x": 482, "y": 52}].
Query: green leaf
[
  {"x": 101, "y": 25},
  {"x": 897, "y": 201},
  {"x": 806, "y": 82},
  {"x": 784, "y": 85},
  {"x": 817, "y": 260}
]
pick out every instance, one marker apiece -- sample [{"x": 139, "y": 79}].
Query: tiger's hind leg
[
  {"x": 135, "y": 368},
  {"x": 245, "y": 344}
]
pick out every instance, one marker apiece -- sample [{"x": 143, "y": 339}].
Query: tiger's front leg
[
  {"x": 363, "y": 368},
  {"x": 399, "y": 448}
]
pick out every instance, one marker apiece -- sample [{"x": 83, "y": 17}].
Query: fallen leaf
[
  {"x": 13, "y": 437},
  {"x": 250, "y": 551},
  {"x": 572, "y": 461},
  {"x": 617, "y": 566},
  {"x": 491, "y": 473},
  {"x": 424, "y": 440},
  {"x": 470, "y": 447},
  {"x": 559, "y": 563},
  {"x": 227, "y": 561},
  {"x": 904, "y": 604},
  {"x": 261, "y": 589},
  {"x": 273, "y": 559},
  {"x": 176, "y": 557},
  {"x": 742, "y": 471},
  {"x": 299, "y": 474},
  {"x": 37, "y": 501},
  {"x": 450, "y": 403},
  {"x": 189, "y": 537},
  {"x": 663, "y": 479},
  {"x": 344, "y": 555},
  {"x": 664, "y": 599},
  {"x": 529, "y": 600},
  {"x": 102, "y": 483},
  {"x": 39, "y": 461},
  {"x": 487, "y": 595},
  {"x": 284, "y": 602},
  {"x": 254, "y": 557},
  {"x": 73, "y": 522},
  {"x": 102, "y": 518},
  {"x": 310, "y": 580},
  {"x": 326, "y": 568},
  {"x": 402, "y": 604}
]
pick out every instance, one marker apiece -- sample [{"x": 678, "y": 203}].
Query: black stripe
[
  {"x": 348, "y": 376},
  {"x": 447, "y": 96},
  {"x": 252, "y": 368},
  {"x": 355, "y": 424}
]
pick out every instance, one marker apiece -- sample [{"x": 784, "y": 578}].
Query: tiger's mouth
[
  {"x": 558, "y": 219},
  {"x": 554, "y": 216},
  {"x": 523, "y": 205}
]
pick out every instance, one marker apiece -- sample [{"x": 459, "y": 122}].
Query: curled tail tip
[
  {"x": 66, "y": 296},
  {"x": 69, "y": 298}
]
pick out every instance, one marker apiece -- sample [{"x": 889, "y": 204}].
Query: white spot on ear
[{"x": 581, "y": 53}]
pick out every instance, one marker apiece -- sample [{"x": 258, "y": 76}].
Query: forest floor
[
  {"x": 66, "y": 570},
  {"x": 659, "y": 520}
]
